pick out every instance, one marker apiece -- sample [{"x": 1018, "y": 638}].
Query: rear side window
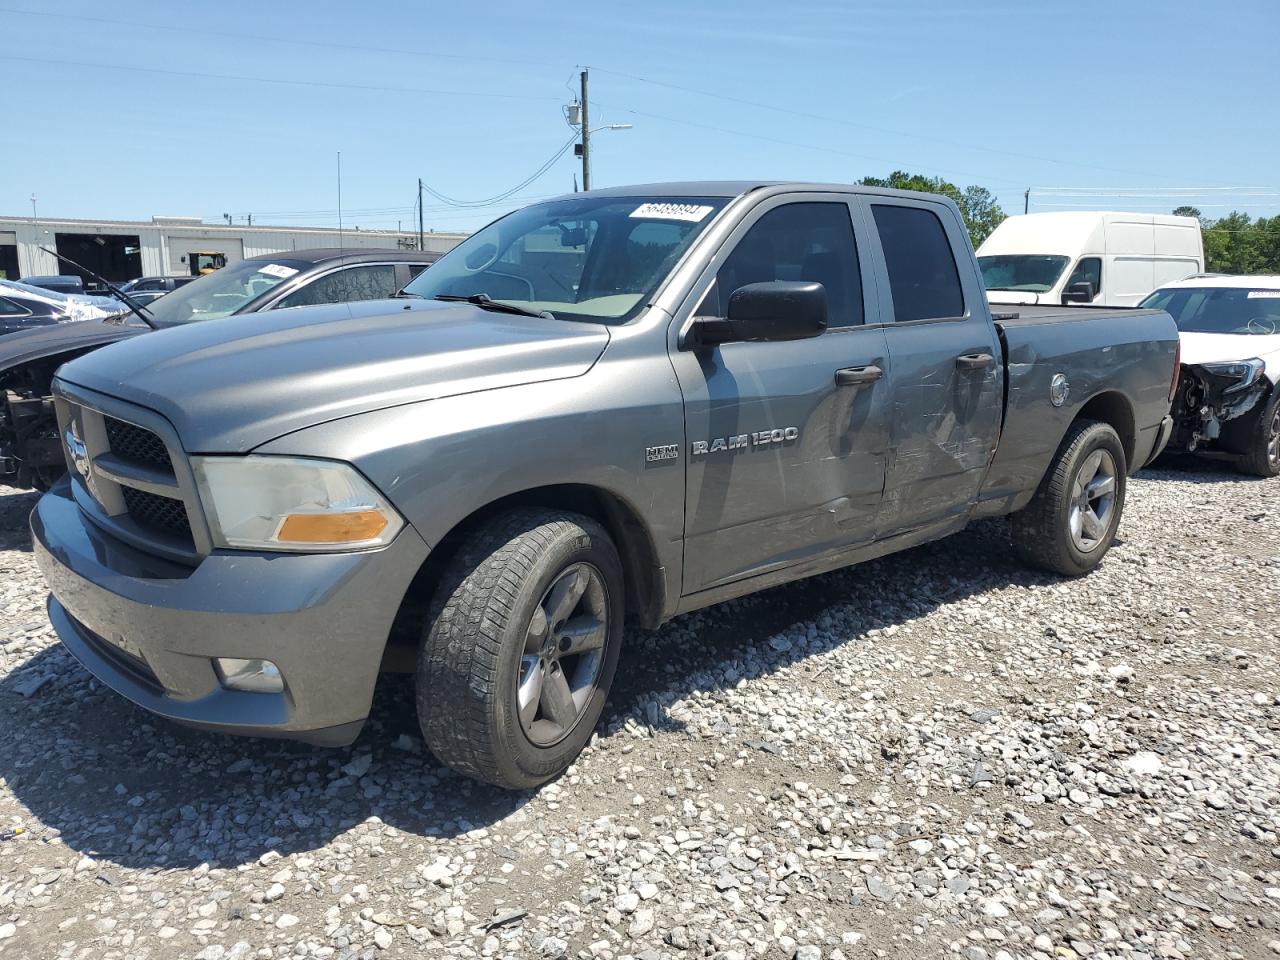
[
  {"x": 798, "y": 241},
  {"x": 372, "y": 282},
  {"x": 922, "y": 269},
  {"x": 10, "y": 309}
]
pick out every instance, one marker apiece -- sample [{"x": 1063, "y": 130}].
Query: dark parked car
[
  {"x": 30, "y": 452},
  {"x": 19, "y": 312},
  {"x": 159, "y": 285},
  {"x": 63, "y": 283}
]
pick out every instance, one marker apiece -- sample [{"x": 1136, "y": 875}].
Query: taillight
[{"x": 1177, "y": 368}]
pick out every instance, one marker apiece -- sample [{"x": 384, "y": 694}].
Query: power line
[
  {"x": 808, "y": 146},
  {"x": 272, "y": 39},
  {"x": 506, "y": 194},
  {"x": 845, "y": 121},
  {"x": 291, "y": 83}
]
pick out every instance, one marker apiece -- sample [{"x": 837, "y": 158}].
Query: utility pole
[
  {"x": 1026, "y": 201},
  {"x": 586, "y": 137},
  {"x": 420, "y": 246}
]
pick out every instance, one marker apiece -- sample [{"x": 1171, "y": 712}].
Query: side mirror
[
  {"x": 776, "y": 310},
  {"x": 1081, "y": 292}
]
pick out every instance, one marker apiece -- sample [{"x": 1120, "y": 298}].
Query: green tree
[
  {"x": 977, "y": 205},
  {"x": 1238, "y": 244}
]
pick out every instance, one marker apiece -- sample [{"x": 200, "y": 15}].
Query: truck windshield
[
  {"x": 222, "y": 293},
  {"x": 1219, "y": 309},
  {"x": 1025, "y": 272},
  {"x": 593, "y": 258}
]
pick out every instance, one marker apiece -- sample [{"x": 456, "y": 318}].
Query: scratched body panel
[{"x": 753, "y": 505}]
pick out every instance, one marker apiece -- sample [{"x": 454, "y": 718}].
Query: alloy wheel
[
  {"x": 1093, "y": 497},
  {"x": 563, "y": 654}
]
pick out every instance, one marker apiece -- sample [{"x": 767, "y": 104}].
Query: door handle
[
  {"x": 974, "y": 361},
  {"x": 852, "y": 376}
]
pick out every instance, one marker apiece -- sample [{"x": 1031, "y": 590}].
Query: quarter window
[
  {"x": 371, "y": 282},
  {"x": 797, "y": 241},
  {"x": 922, "y": 268}
]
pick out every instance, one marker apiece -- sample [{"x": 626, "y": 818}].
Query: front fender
[{"x": 441, "y": 461}]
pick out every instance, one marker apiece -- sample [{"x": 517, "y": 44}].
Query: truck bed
[{"x": 1033, "y": 314}]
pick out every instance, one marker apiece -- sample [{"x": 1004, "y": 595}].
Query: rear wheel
[
  {"x": 1263, "y": 458},
  {"x": 1070, "y": 524},
  {"x": 521, "y": 646}
]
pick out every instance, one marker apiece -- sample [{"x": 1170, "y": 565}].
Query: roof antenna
[{"x": 339, "y": 199}]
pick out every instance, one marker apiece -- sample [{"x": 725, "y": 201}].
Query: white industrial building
[{"x": 166, "y": 246}]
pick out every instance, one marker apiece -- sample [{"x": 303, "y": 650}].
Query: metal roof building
[{"x": 169, "y": 246}]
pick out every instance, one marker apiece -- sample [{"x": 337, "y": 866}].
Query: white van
[{"x": 1122, "y": 257}]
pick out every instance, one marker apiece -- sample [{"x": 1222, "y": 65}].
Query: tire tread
[{"x": 462, "y": 643}]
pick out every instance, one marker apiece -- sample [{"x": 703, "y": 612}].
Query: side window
[
  {"x": 1088, "y": 270},
  {"x": 922, "y": 268},
  {"x": 417, "y": 268},
  {"x": 370, "y": 282},
  {"x": 149, "y": 285},
  {"x": 10, "y": 309},
  {"x": 798, "y": 241}
]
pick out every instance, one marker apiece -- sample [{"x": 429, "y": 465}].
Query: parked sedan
[
  {"x": 30, "y": 451},
  {"x": 23, "y": 306},
  {"x": 154, "y": 284},
  {"x": 1228, "y": 399}
]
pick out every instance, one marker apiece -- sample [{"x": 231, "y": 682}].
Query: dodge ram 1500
[{"x": 629, "y": 402}]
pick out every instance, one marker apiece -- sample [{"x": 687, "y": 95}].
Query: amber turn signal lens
[{"x": 331, "y": 527}]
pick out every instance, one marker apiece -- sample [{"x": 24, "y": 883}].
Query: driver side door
[{"x": 786, "y": 440}]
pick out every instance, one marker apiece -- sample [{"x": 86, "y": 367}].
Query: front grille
[
  {"x": 137, "y": 445},
  {"x": 128, "y": 481},
  {"x": 164, "y": 514}
]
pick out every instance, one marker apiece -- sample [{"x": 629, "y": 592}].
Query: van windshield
[
  {"x": 594, "y": 258},
  {"x": 1024, "y": 272},
  {"x": 1219, "y": 309}
]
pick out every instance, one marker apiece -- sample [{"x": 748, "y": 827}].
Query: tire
[
  {"x": 1263, "y": 458},
  {"x": 497, "y": 621},
  {"x": 1054, "y": 531}
]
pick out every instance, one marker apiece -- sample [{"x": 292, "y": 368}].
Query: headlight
[
  {"x": 291, "y": 503},
  {"x": 1245, "y": 372}
]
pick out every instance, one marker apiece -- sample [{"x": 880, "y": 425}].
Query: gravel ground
[{"x": 936, "y": 754}]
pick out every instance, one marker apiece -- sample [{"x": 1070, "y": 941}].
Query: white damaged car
[{"x": 1228, "y": 403}]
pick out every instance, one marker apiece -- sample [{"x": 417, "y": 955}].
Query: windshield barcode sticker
[
  {"x": 692, "y": 212},
  {"x": 278, "y": 270},
  {"x": 1263, "y": 295}
]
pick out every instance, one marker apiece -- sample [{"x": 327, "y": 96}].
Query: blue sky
[{"x": 241, "y": 107}]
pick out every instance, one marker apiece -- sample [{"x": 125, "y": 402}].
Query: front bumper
[{"x": 148, "y": 628}]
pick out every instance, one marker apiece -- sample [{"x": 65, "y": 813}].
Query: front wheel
[
  {"x": 520, "y": 647},
  {"x": 1263, "y": 458},
  {"x": 1070, "y": 523}
]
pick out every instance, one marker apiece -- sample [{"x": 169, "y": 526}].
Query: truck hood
[
  {"x": 230, "y": 386},
  {"x": 59, "y": 338},
  {"x": 1199, "y": 348}
]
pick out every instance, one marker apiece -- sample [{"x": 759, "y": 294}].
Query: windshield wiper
[
  {"x": 485, "y": 302},
  {"x": 142, "y": 312}
]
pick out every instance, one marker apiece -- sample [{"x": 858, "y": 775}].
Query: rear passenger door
[
  {"x": 365, "y": 281},
  {"x": 948, "y": 374},
  {"x": 785, "y": 453}
]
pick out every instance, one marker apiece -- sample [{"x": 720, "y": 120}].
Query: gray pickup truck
[{"x": 624, "y": 403}]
